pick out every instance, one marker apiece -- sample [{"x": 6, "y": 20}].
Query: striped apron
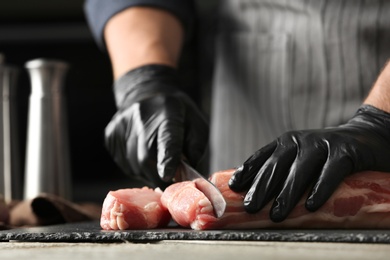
[{"x": 291, "y": 64}]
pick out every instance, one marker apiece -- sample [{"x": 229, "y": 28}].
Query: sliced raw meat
[
  {"x": 361, "y": 201},
  {"x": 137, "y": 208},
  {"x": 187, "y": 204}
]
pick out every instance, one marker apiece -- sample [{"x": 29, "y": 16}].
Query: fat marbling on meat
[{"x": 361, "y": 201}]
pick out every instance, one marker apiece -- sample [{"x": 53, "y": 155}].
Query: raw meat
[
  {"x": 361, "y": 201},
  {"x": 137, "y": 208},
  {"x": 187, "y": 204}
]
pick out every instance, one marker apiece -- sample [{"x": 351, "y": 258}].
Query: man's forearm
[
  {"x": 141, "y": 35},
  {"x": 379, "y": 95}
]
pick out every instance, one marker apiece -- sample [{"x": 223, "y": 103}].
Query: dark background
[{"x": 57, "y": 29}]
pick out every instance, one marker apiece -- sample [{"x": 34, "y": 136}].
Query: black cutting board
[{"x": 91, "y": 232}]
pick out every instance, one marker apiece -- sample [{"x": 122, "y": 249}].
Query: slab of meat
[
  {"x": 137, "y": 208},
  {"x": 361, "y": 201}
]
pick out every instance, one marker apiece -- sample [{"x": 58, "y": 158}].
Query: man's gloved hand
[
  {"x": 156, "y": 125},
  {"x": 318, "y": 159}
]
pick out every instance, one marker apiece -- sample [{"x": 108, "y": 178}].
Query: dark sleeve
[{"x": 98, "y": 12}]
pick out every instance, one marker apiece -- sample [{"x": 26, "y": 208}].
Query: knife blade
[{"x": 208, "y": 188}]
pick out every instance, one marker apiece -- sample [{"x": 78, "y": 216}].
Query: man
[{"x": 280, "y": 67}]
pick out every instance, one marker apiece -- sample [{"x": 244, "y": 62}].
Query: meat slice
[
  {"x": 187, "y": 204},
  {"x": 136, "y": 208},
  {"x": 361, "y": 201}
]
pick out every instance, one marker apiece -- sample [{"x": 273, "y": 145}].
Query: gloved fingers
[
  {"x": 303, "y": 171},
  {"x": 331, "y": 176},
  {"x": 146, "y": 156},
  {"x": 116, "y": 143},
  {"x": 169, "y": 148},
  {"x": 243, "y": 177},
  {"x": 269, "y": 179},
  {"x": 196, "y": 140}
]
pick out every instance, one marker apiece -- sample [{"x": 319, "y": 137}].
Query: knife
[{"x": 208, "y": 188}]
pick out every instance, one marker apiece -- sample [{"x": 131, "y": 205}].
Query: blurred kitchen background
[{"x": 58, "y": 30}]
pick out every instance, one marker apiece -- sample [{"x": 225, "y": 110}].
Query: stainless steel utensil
[
  {"x": 47, "y": 166},
  {"x": 10, "y": 174}
]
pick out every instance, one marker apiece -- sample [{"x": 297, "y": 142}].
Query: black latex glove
[
  {"x": 318, "y": 159},
  {"x": 156, "y": 125}
]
